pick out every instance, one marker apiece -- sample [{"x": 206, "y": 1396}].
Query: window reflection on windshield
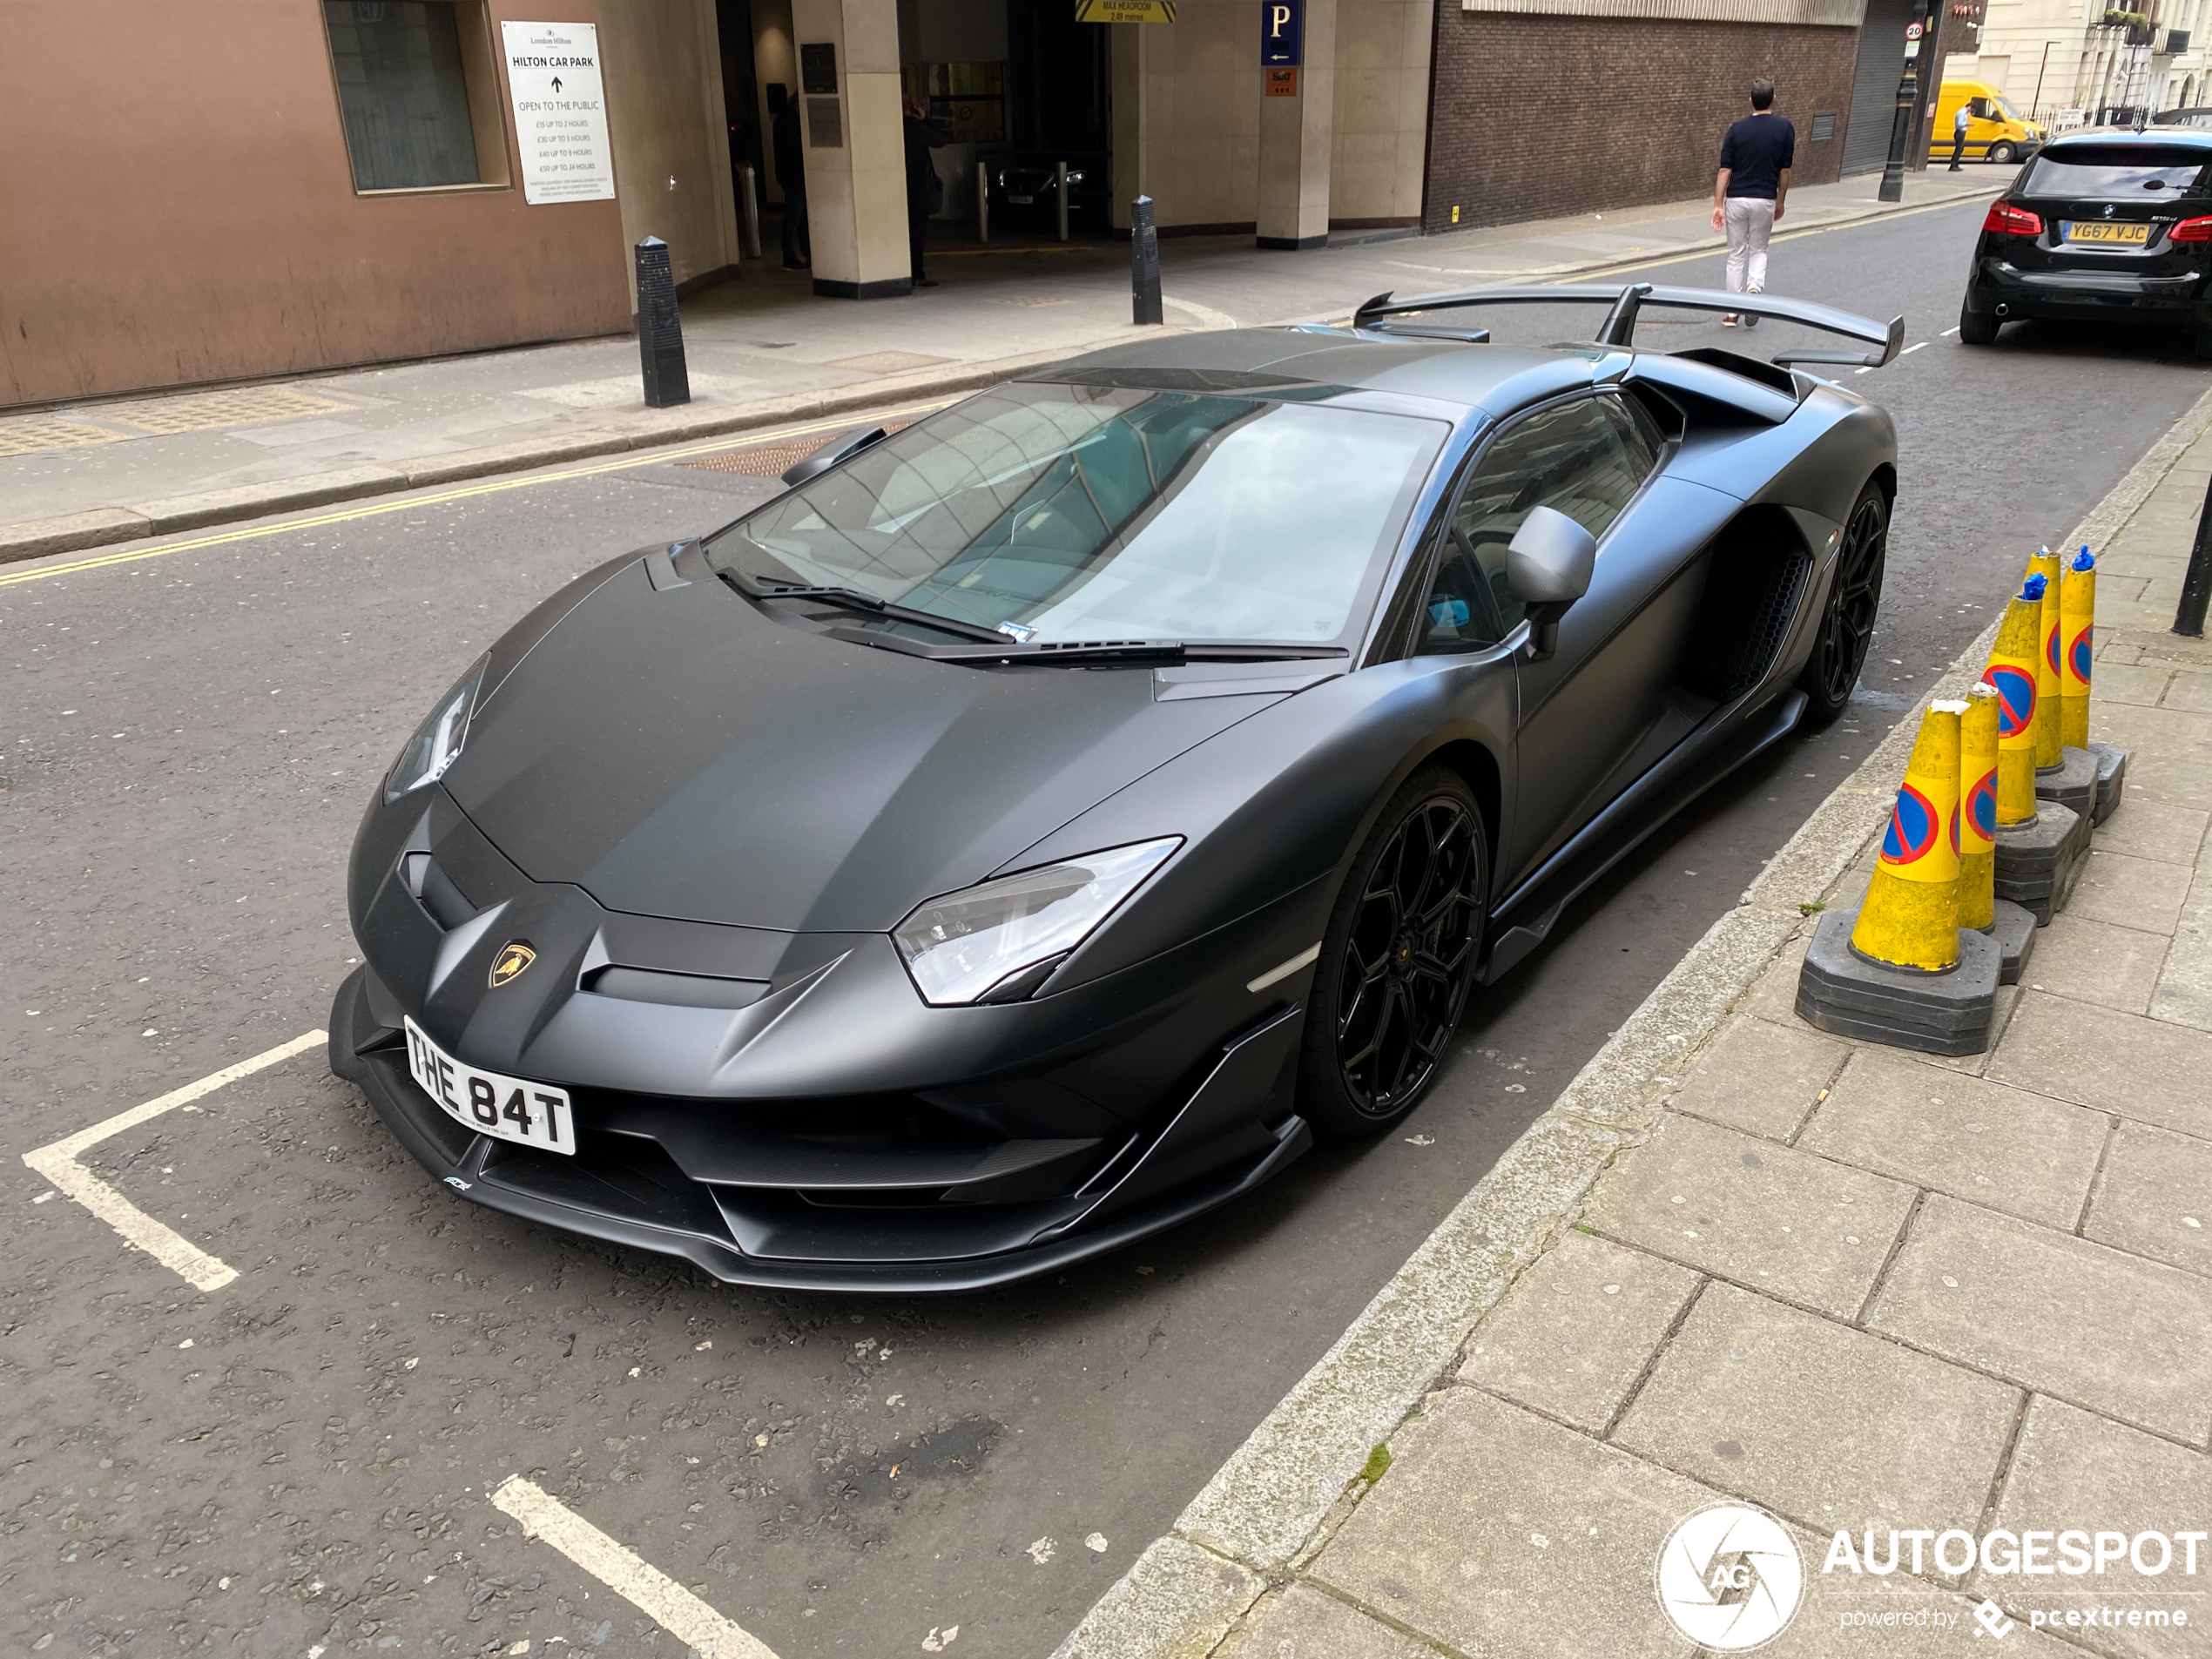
[{"x": 1088, "y": 513}]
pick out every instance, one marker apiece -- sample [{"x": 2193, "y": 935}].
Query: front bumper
[{"x": 625, "y": 1184}]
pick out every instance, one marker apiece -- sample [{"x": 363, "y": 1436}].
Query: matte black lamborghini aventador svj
[{"x": 1033, "y": 826}]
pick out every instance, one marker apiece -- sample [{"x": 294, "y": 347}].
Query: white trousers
[{"x": 1751, "y": 221}]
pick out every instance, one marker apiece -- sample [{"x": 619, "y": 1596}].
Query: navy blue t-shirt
[{"x": 1755, "y": 152}]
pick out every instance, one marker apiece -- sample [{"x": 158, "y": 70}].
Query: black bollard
[
  {"x": 1143, "y": 263},
  {"x": 660, "y": 333},
  {"x": 2196, "y": 585}
]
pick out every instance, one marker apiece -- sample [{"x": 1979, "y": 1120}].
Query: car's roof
[
  {"x": 1246, "y": 361},
  {"x": 2198, "y": 139}
]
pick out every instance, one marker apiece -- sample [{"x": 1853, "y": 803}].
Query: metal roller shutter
[{"x": 1873, "y": 92}]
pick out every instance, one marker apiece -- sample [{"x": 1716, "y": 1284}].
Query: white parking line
[
  {"x": 652, "y": 1591},
  {"x": 58, "y": 1164}
]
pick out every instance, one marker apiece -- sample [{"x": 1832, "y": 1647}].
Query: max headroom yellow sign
[{"x": 1124, "y": 10}]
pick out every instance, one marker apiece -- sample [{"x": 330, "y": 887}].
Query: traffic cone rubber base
[
  {"x": 1950, "y": 1013},
  {"x": 2112, "y": 778},
  {"x": 2037, "y": 863},
  {"x": 2072, "y": 784},
  {"x": 2015, "y": 932}
]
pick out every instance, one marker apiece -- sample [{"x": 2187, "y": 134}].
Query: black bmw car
[
  {"x": 2115, "y": 224},
  {"x": 1032, "y": 828}
]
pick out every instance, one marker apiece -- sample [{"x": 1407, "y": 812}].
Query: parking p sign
[{"x": 1282, "y": 32}]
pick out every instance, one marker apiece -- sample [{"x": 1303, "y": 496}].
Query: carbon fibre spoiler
[{"x": 1620, "y": 324}]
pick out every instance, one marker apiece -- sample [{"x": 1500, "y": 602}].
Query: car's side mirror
[
  {"x": 1548, "y": 566},
  {"x": 835, "y": 453}
]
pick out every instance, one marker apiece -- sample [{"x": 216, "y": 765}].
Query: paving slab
[
  {"x": 1573, "y": 1337},
  {"x": 2150, "y": 1071},
  {"x": 2183, "y": 995},
  {"x": 1761, "y": 1078},
  {"x": 1773, "y": 995},
  {"x": 1498, "y": 1531},
  {"x": 2143, "y": 683},
  {"x": 1303, "y": 1622},
  {"x": 1782, "y": 1221},
  {"x": 2170, "y": 753},
  {"x": 1821, "y": 1423},
  {"x": 2154, "y": 1197},
  {"x": 2013, "y": 1150},
  {"x": 2131, "y": 892},
  {"x": 2190, "y": 690},
  {"x": 2112, "y": 1332},
  {"x": 2073, "y": 1470},
  {"x": 2096, "y": 962}
]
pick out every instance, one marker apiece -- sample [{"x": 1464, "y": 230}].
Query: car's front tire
[
  {"x": 1398, "y": 960},
  {"x": 1977, "y": 328},
  {"x": 2001, "y": 152},
  {"x": 1854, "y": 600}
]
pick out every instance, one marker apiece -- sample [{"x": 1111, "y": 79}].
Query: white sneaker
[{"x": 1730, "y": 320}]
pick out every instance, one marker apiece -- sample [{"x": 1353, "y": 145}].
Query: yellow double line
[{"x": 410, "y": 502}]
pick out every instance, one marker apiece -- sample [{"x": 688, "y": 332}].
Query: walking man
[
  {"x": 790, "y": 152},
  {"x": 1748, "y": 194},
  {"x": 1958, "y": 123}
]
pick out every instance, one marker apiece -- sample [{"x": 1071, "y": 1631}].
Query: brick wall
[{"x": 1539, "y": 115}]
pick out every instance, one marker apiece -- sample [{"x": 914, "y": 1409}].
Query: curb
[
  {"x": 107, "y": 526},
  {"x": 1273, "y": 1505}
]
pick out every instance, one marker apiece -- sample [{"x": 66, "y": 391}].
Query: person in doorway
[
  {"x": 789, "y": 146},
  {"x": 1959, "y": 125},
  {"x": 1749, "y": 190},
  {"x": 925, "y": 188}
]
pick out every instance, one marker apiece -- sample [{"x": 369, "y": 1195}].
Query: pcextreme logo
[{"x": 1730, "y": 1577}]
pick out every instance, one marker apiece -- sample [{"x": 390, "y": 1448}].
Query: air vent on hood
[{"x": 676, "y": 990}]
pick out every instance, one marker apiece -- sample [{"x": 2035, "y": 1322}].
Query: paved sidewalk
[
  {"x": 1859, "y": 1287},
  {"x": 762, "y": 351}
]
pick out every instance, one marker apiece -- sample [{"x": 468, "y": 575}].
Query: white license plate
[
  {"x": 1025, "y": 201},
  {"x": 507, "y": 1108}
]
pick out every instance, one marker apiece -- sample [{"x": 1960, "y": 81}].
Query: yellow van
[{"x": 1994, "y": 130}]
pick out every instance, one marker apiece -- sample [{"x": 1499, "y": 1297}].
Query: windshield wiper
[
  {"x": 1145, "y": 650},
  {"x": 854, "y": 599}
]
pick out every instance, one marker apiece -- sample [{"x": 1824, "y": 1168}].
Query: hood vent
[{"x": 675, "y": 990}]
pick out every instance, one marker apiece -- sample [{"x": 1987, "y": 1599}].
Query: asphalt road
[{"x": 298, "y": 1462}]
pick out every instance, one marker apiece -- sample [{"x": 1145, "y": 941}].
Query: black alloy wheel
[
  {"x": 1978, "y": 328},
  {"x": 1847, "y": 624},
  {"x": 1398, "y": 962}
]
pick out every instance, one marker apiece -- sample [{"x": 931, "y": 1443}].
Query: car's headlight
[
  {"x": 437, "y": 743},
  {"x": 999, "y": 941}
]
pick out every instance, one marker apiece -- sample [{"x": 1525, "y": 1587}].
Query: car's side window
[{"x": 1586, "y": 458}]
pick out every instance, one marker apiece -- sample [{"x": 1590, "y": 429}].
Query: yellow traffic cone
[
  {"x": 1911, "y": 916},
  {"x": 2012, "y": 671},
  {"x": 2045, "y": 565},
  {"x": 2077, "y": 647},
  {"x": 1978, "y": 809}
]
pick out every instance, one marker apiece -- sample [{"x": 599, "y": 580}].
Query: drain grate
[
  {"x": 771, "y": 461},
  {"x": 35, "y": 434},
  {"x": 202, "y": 411}
]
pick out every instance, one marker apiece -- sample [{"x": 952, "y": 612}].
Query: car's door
[{"x": 1584, "y": 707}]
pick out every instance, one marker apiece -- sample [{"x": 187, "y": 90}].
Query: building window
[{"x": 417, "y": 93}]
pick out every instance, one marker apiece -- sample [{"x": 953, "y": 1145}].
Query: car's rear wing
[{"x": 1620, "y": 324}]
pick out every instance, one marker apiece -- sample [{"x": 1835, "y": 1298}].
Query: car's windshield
[
  {"x": 2002, "y": 110},
  {"x": 1091, "y": 512},
  {"x": 2119, "y": 170}
]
